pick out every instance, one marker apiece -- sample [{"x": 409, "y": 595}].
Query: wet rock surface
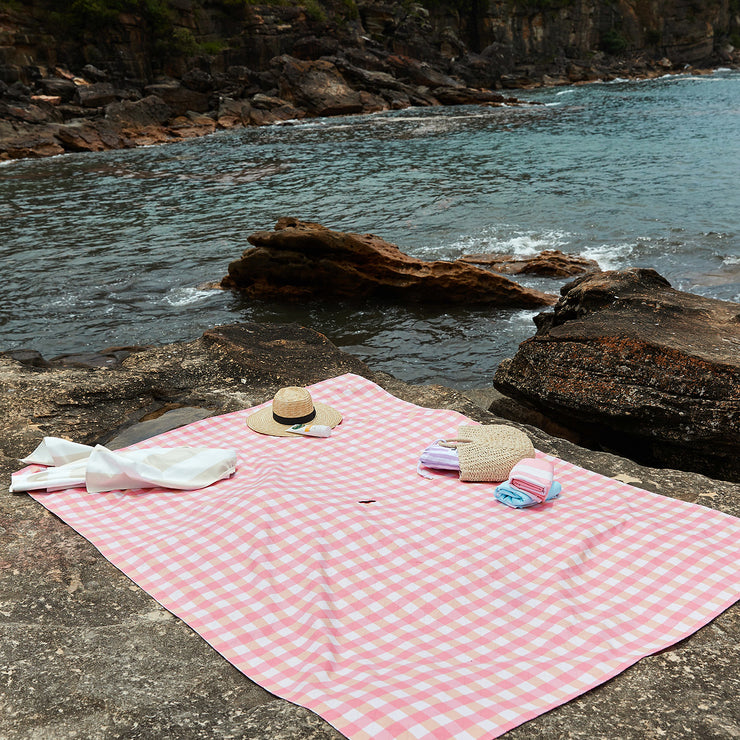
[
  {"x": 300, "y": 260},
  {"x": 639, "y": 368},
  {"x": 87, "y": 654}
]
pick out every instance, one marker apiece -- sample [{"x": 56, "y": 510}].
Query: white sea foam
[
  {"x": 531, "y": 243},
  {"x": 731, "y": 259},
  {"x": 11, "y": 162},
  {"x": 609, "y": 256},
  {"x": 404, "y": 119},
  {"x": 523, "y": 316},
  {"x": 71, "y": 301},
  {"x": 186, "y": 296},
  {"x": 502, "y": 240}
]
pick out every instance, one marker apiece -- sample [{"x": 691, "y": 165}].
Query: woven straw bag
[{"x": 488, "y": 452}]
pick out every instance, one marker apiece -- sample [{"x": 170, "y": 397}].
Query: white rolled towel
[{"x": 72, "y": 465}]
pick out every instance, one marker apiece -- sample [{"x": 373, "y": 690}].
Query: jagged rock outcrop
[
  {"x": 549, "y": 262},
  {"x": 301, "y": 260},
  {"x": 639, "y": 368}
]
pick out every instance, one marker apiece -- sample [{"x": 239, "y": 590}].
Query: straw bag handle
[{"x": 452, "y": 443}]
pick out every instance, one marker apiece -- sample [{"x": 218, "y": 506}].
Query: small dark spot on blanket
[{"x": 366, "y": 501}]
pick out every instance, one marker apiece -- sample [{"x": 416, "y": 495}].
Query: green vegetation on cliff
[
  {"x": 82, "y": 20},
  {"x": 93, "y": 15}
]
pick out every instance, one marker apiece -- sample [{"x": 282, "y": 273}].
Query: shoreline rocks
[
  {"x": 301, "y": 261},
  {"x": 97, "y": 116},
  {"x": 37, "y": 125},
  {"x": 81, "y": 637},
  {"x": 636, "y": 367}
]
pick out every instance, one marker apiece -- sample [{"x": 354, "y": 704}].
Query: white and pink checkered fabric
[{"x": 398, "y": 607}]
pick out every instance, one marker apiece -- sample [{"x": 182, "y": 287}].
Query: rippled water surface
[{"x": 114, "y": 248}]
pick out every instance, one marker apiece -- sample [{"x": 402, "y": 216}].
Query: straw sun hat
[{"x": 292, "y": 406}]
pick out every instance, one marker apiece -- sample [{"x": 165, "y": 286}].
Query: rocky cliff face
[
  {"x": 480, "y": 41},
  {"x": 686, "y": 30},
  {"x": 557, "y": 37}
]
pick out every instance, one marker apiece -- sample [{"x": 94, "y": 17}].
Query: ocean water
[{"x": 114, "y": 248}]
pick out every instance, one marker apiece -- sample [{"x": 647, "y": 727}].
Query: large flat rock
[{"x": 87, "y": 654}]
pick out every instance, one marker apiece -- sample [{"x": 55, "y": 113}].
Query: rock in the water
[
  {"x": 110, "y": 357},
  {"x": 29, "y": 357},
  {"x": 549, "y": 262},
  {"x": 301, "y": 260},
  {"x": 639, "y": 368}
]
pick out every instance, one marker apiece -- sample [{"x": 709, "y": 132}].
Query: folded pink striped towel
[
  {"x": 532, "y": 475},
  {"x": 439, "y": 456}
]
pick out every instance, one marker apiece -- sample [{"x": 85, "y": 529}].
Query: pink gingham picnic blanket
[{"x": 398, "y": 607}]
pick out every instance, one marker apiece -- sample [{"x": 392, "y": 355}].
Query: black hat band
[{"x": 290, "y": 420}]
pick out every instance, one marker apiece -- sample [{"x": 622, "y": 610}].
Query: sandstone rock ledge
[
  {"x": 88, "y": 654},
  {"x": 301, "y": 260},
  {"x": 638, "y": 367},
  {"x": 549, "y": 262}
]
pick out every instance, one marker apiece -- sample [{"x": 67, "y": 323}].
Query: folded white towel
[
  {"x": 99, "y": 469},
  {"x": 58, "y": 451}
]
